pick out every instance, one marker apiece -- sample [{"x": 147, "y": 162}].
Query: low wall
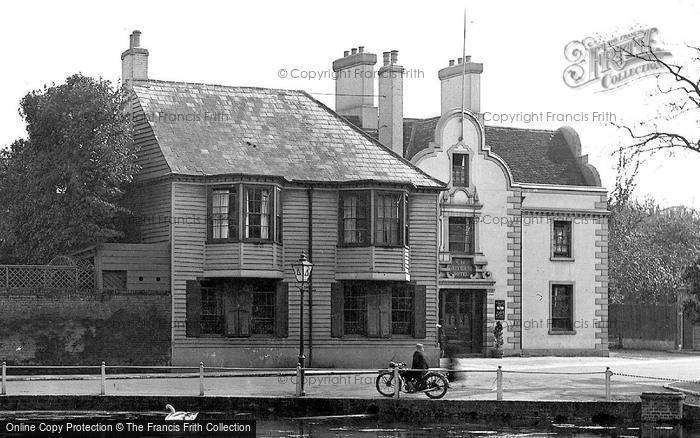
[
  {"x": 68, "y": 327},
  {"x": 286, "y": 356},
  {"x": 412, "y": 410}
]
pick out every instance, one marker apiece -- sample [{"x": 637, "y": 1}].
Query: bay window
[
  {"x": 354, "y": 217},
  {"x": 224, "y": 213},
  {"x": 388, "y": 218},
  {"x": 254, "y": 215},
  {"x": 257, "y": 219},
  {"x": 372, "y": 217}
]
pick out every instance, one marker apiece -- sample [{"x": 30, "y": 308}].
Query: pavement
[{"x": 524, "y": 378}]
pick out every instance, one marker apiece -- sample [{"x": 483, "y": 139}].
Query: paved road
[{"x": 518, "y": 381}]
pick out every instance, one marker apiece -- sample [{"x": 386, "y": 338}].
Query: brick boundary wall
[
  {"x": 601, "y": 278},
  {"x": 662, "y": 406},
  {"x": 85, "y": 327},
  {"x": 514, "y": 292}
]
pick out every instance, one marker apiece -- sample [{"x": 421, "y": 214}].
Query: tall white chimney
[
  {"x": 451, "y": 85},
  {"x": 354, "y": 86},
  {"x": 391, "y": 103},
  {"x": 135, "y": 60}
]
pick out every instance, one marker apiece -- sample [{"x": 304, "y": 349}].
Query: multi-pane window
[
  {"x": 388, "y": 218},
  {"x": 355, "y": 310},
  {"x": 238, "y": 308},
  {"x": 212, "y": 317},
  {"x": 401, "y": 311},
  {"x": 354, "y": 207},
  {"x": 263, "y": 315},
  {"x": 561, "y": 239},
  {"x": 461, "y": 235},
  {"x": 224, "y": 221},
  {"x": 355, "y": 218},
  {"x": 261, "y": 217},
  {"x": 562, "y": 311},
  {"x": 257, "y": 219},
  {"x": 460, "y": 170}
]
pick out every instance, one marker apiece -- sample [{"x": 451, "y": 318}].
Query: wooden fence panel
[{"x": 655, "y": 322}]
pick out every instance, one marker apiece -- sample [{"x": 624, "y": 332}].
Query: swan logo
[
  {"x": 613, "y": 63},
  {"x": 174, "y": 415}
]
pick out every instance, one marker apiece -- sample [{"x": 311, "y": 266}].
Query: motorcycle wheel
[
  {"x": 385, "y": 384},
  {"x": 436, "y": 385}
]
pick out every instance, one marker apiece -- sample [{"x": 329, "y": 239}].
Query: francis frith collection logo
[{"x": 613, "y": 63}]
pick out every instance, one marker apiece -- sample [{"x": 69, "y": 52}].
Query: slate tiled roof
[
  {"x": 534, "y": 156},
  {"x": 215, "y": 130}
]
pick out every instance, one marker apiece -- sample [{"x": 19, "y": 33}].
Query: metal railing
[{"x": 300, "y": 374}]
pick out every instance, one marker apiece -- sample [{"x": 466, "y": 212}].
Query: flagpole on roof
[{"x": 464, "y": 68}]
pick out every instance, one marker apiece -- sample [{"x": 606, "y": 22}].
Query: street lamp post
[{"x": 302, "y": 272}]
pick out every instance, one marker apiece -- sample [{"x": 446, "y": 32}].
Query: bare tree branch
[{"x": 687, "y": 89}]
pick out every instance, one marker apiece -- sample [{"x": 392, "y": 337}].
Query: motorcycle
[{"x": 433, "y": 383}]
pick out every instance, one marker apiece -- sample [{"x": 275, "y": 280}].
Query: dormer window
[{"x": 460, "y": 170}]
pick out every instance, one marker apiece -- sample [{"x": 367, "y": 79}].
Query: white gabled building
[{"x": 523, "y": 222}]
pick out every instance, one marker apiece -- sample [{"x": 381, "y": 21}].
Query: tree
[
  {"x": 650, "y": 248},
  {"x": 680, "y": 87},
  {"x": 61, "y": 187}
]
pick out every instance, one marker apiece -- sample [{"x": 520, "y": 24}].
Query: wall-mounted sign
[{"x": 500, "y": 310}]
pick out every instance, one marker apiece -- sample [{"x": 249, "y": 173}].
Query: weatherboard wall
[{"x": 193, "y": 258}]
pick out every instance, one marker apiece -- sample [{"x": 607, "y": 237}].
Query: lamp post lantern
[{"x": 302, "y": 272}]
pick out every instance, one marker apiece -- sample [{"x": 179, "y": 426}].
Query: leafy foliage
[
  {"x": 498, "y": 334},
  {"x": 61, "y": 187},
  {"x": 650, "y": 248}
]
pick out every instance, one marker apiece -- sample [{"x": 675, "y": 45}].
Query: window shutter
[
  {"x": 231, "y": 312},
  {"x": 282, "y": 310},
  {"x": 245, "y": 301},
  {"x": 210, "y": 217},
  {"x": 385, "y": 313},
  {"x": 373, "y": 312},
  {"x": 337, "y": 297},
  {"x": 193, "y": 292},
  {"x": 419, "y": 311}
]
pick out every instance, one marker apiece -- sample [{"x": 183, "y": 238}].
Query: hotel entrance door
[{"x": 462, "y": 319}]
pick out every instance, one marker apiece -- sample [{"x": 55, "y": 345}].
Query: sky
[{"x": 521, "y": 45}]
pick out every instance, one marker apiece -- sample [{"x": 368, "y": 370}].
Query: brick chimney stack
[
  {"x": 391, "y": 102},
  {"x": 354, "y": 86},
  {"x": 134, "y": 60},
  {"x": 451, "y": 85}
]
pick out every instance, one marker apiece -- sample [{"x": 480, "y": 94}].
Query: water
[{"x": 365, "y": 426}]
